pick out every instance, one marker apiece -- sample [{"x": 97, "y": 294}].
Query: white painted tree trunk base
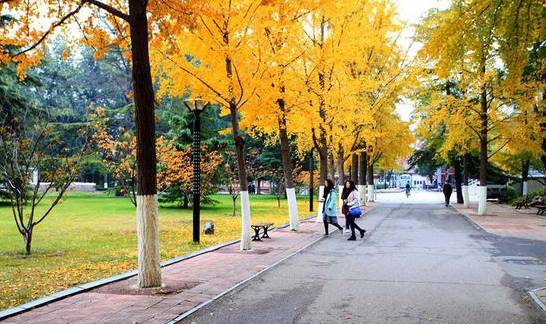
[
  {"x": 149, "y": 269},
  {"x": 245, "y": 222},
  {"x": 292, "y": 209},
  {"x": 466, "y": 197},
  {"x": 320, "y": 204},
  {"x": 362, "y": 194},
  {"x": 482, "y": 200},
  {"x": 371, "y": 193},
  {"x": 525, "y": 189}
]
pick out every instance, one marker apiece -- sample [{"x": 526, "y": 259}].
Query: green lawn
[{"x": 91, "y": 236}]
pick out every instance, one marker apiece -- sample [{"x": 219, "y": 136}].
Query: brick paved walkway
[
  {"x": 186, "y": 284},
  {"x": 505, "y": 220}
]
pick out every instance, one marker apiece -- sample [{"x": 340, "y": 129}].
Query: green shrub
[
  {"x": 539, "y": 192},
  {"x": 511, "y": 194}
]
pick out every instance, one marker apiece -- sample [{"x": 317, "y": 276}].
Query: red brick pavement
[
  {"x": 186, "y": 284},
  {"x": 505, "y": 220}
]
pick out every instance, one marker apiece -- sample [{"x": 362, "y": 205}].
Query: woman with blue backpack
[
  {"x": 353, "y": 203},
  {"x": 329, "y": 212}
]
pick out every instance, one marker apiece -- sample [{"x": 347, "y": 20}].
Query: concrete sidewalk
[
  {"x": 187, "y": 284},
  {"x": 505, "y": 220}
]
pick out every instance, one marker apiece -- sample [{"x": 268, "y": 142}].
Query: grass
[{"x": 92, "y": 236}]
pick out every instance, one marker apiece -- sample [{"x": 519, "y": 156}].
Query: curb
[
  {"x": 10, "y": 312},
  {"x": 240, "y": 284},
  {"x": 471, "y": 221},
  {"x": 536, "y": 299},
  {"x": 532, "y": 293}
]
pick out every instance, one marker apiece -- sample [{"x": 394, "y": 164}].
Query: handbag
[{"x": 355, "y": 211}]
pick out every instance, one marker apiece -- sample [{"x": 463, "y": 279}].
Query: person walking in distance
[
  {"x": 329, "y": 212},
  {"x": 408, "y": 189},
  {"x": 352, "y": 201},
  {"x": 448, "y": 189}
]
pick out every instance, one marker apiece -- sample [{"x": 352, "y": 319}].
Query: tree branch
[{"x": 109, "y": 9}]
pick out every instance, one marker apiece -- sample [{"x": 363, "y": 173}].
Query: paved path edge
[
  {"x": 537, "y": 301},
  {"x": 469, "y": 219},
  {"x": 533, "y": 292},
  {"x": 240, "y": 284},
  {"x": 43, "y": 301}
]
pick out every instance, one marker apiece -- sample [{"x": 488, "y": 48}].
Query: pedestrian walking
[
  {"x": 353, "y": 209},
  {"x": 329, "y": 211},
  {"x": 408, "y": 190},
  {"x": 344, "y": 208},
  {"x": 448, "y": 189}
]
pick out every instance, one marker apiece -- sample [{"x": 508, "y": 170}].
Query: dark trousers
[
  {"x": 352, "y": 224},
  {"x": 447, "y": 195},
  {"x": 326, "y": 226}
]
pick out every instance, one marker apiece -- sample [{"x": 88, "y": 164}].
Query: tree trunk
[
  {"x": 331, "y": 167},
  {"x": 149, "y": 271},
  {"x": 28, "y": 241},
  {"x": 186, "y": 201},
  {"x": 311, "y": 179},
  {"x": 234, "y": 198},
  {"x": 240, "y": 150},
  {"x": 362, "y": 170},
  {"x": 370, "y": 174},
  {"x": 259, "y": 186},
  {"x": 354, "y": 168},
  {"x": 340, "y": 169},
  {"x": 287, "y": 167},
  {"x": 525, "y": 177},
  {"x": 458, "y": 180},
  {"x": 466, "y": 196},
  {"x": 482, "y": 206},
  {"x": 371, "y": 186}
]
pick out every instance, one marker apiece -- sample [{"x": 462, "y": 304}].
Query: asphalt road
[{"x": 417, "y": 264}]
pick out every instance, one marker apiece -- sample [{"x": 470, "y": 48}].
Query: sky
[{"x": 411, "y": 11}]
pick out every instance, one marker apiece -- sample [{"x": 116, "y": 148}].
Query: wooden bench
[
  {"x": 540, "y": 209},
  {"x": 263, "y": 227},
  {"x": 523, "y": 203}
]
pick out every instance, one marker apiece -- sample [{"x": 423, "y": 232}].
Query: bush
[
  {"x": 539, "y": 192},
  {"x": 511, "y": 194}
]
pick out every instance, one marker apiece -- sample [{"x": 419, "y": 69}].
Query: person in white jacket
[{"x": 352, "y": 201}]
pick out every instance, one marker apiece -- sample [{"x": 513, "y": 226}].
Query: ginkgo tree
[
  {"x": 279, "y": 90},
  {"x": 484, "y": 46},
  {"x": 103, "y": 24},
  {"x": 217, "y": 59},
  {"x": 461, "y": 40}
]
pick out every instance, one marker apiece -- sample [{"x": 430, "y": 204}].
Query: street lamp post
[{"x": 196, "y": 106}]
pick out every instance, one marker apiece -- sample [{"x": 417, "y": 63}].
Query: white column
[
  {"x": 245, "y": 221},
  {"x": 466, "y": 197},
  {"x": 320, "y": 204},
  {"x": 525, "y": 188},
  {"x": 362, "y": 194},
  {"x": 482, "y": 200},
  {"x": 149, "y": 270},
  {"x": 292, "y": 209},
  {"x": 35, "y": 176},
  {"x": 371, "y": 193}
]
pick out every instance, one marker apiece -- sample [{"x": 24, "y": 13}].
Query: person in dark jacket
[{"x": 448, "y": 189}]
